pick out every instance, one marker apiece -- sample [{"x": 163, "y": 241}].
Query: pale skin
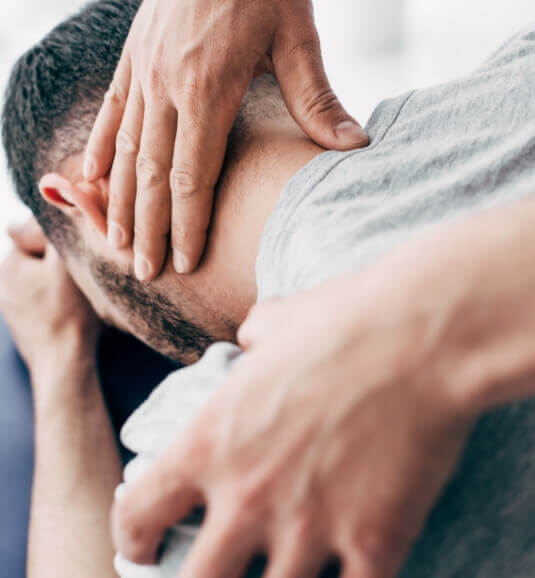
[
  {"x": 77, "y": 465},
  {"x": 223, "y": 287},
  {"x": 362, "y": 356},
  {"x": 341, "y": 425},
  {"x": 163, "y": 127},
  {"x": 54, "y": 327},
  {"x": 277, "y": 455}
]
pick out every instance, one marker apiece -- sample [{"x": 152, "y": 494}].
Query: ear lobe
[{"x": 69, "y": 197}]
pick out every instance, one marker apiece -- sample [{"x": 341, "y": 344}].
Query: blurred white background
[{"x": 373, "y": 49}]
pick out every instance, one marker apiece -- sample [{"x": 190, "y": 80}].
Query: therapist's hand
[
  {"x": 334, "y": 435},
  {"x": 164, "y": 124},
  {"x": 346, "y": 415}
]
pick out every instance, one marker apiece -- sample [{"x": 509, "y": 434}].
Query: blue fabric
[
  {"x": 16, "y": 458},
  {"x": 129, "y": 371}
]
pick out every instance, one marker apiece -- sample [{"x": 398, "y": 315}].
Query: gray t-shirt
[{"x": 435, "y": 154}]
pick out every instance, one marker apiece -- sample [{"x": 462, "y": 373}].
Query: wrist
[
  {"x": 72, "y": 346},
  {"x": 66, "y": 370}
]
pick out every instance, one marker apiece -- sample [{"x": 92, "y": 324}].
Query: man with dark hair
[
  {"x": 296, "y": 215},
  {"x": 59, "y": 85},
  {"x": 52, "y": 100}
]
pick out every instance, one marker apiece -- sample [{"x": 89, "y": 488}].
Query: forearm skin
[{"x": 77, "y": 468}]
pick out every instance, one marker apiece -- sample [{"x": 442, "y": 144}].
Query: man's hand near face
[
  {"x": 45, "y": 311},
  {"x": 165, "y": 122},
  {"x": 77, "y": 465}
]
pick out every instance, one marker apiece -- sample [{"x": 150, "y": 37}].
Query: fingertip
[
  {"x": 143, "y": 268},
  {"x": 181, "y": 263},
  {"x": 128, "y": 536},
  {"x": 117, "y": 238},
  {"x": 186, "y": 262},
  {"x": 312, "y": 102},
  {"x": 349, "y": 135}
]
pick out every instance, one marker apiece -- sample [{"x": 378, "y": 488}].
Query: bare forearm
[
  {"x": 496, "y": 320},
  {"x": 466, "y": 293},
  {"x": 76, "y": 471}
]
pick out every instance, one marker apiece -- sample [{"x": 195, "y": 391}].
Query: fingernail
[
  {"x": 350, "y": 133},
  {"x": 115, "y": 235},
  {"x": 180, "y": 263},
  {"x": 141, "y": 267},
  {"x": 90, "y": 168}
]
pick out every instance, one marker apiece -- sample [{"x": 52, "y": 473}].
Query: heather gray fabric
[{"x": 435, "y": 154}]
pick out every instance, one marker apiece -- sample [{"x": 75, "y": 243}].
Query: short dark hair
[{"x": 53, "y": 96}]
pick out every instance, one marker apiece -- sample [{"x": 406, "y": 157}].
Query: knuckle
[
  {"x": 155, "y": 79},
  {"x": 157, "y": 91},
  {"x": 132, "y": 531},
  {"x": 150, "y": 173},
  {"x": 126, "y": 144},
  {"x": 319, "y": 103},
  {"x": 189, "y": 94},
  {"x": 183, "y": 184},
  {"x": 252, "y": 497},
  {"x": 372, "y": 545},
  {"x": 190, "y": 56},
  {"x": 115, "y": 95}
]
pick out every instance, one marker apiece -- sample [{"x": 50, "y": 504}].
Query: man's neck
[{"x": 252, "y": 183}]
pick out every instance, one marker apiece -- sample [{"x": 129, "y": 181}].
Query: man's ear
[{"x": 72, "y": 198}]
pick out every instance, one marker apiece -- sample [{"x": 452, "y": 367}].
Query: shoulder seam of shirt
[{"x": 314, "y": 182}]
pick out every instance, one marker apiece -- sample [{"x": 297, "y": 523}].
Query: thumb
[{"x": 309, "y": 97}]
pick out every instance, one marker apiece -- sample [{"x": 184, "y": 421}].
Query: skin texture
[
  {"x": 275, "y": 449},
  {"x": 218, "y": 295},
  {"x": 77, "y": 465},
  {"x": 394, "y": 381},
  {"x": 164, "y": 124}
]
